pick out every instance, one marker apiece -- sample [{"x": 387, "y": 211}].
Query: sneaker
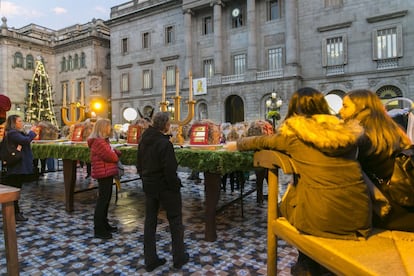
[
  {"x": 178, "y": 265},
  {"x": 155, "y": 264}
]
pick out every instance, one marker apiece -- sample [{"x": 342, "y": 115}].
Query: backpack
[{"x": 401, "y": 185}]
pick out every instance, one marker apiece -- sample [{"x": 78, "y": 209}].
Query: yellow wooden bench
[{"x": 382, "y": 253}]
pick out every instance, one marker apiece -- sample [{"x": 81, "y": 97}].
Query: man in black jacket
[{"x": 157, "y": 166}]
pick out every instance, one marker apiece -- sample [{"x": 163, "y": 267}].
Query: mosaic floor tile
[{"x": 54, "y": 242}]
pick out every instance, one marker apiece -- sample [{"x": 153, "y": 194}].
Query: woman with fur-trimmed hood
[{"x": 329, "y": 197}]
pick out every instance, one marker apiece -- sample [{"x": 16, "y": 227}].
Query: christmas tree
[{"x": 40, "y": 101}]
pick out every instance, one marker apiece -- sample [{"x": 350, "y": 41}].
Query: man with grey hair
[{"x": 157, "y": 166}]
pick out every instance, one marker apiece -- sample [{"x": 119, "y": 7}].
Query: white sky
[{"x": 55, "y": 14}]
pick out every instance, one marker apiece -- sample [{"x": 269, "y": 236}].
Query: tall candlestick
[
  {"x": 190, "y": 86},
  {"x": 64, "y": 95},
  {"x": 82, "y": 99},
  {"x": 177, "y": 82},
  {"x": 73, "y": 92},
  {"x": 163, "y": 88}
]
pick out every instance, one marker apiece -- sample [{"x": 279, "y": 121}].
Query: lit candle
[
  {"x": 82, "y": 100},
  {"x": 64, "y": 95},
  {"x": 73, "y": 92},
  {"x": 190, "y": 86},
  {"x": 177, "y": 82},
  {"x": 163, "y": 88}
]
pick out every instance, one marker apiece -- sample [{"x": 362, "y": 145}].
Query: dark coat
[
  {"x": 330, "y": 198},
  {"x": 156, "y": 162},
  {"x": 25, "y": 166},
  {"x": 104, "y": 159}
]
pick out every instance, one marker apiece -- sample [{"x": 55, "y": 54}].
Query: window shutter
[
  {"x": 324, "y": 53},
  {"x": 374, "y": 45},
  {"x": 399, "y": 41},
  {"x": 345, "y": 49}
]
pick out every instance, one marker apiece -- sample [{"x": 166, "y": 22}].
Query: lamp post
[{"x": 273, "y": 105}]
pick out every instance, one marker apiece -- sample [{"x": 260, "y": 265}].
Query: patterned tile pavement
[{"x": 54, "y": 242}]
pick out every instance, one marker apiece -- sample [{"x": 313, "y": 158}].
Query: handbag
[
  {"x": 9, "y": 153},
  {"x": 401, "y": 185}
]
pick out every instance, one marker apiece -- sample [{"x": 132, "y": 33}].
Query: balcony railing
[
  {"x": 270, "y": 74},
  {"x": 388, "y": 63},
  {"x": 232, "y": 78},
  {"x": 335, "y": 70}
]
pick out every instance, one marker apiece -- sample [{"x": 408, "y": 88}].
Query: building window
[
  {"x": 70, "y": 63},
  {"x": 275, "y": 59},
  {"x": 124, "y": 45},
  {"x": 83, "y": 61},
  {"x": 207, "y": 25},
  {"x": 237, "y": 18},
  {"x": 334, "y": 55},
  {"x": 239, "y": 62},
  {"x": 169, "y": 35},
  {"x": 108, "y": 61},
  {"x": 335, "y": 51},
  {"x": 274, "y": 10},
  {"x": 125, "y": 82},
  {"x": 208, "y": 68},
  {"x": 145, "y": 40},
  {"x": 333, "y": 3},
  {"x": 63, "y": 65},
  {"x": 146, "y": 79},
  {"x": 29, "y": 62},
  {"x": 18, "y": 60},
  {"x": 170, "y": 75},
  {"x": 387, "y": 43},
  {"x": 79, "y": 89},
  {"x": 76, "y": 62}
]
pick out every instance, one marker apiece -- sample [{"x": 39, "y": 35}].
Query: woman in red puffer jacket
[{"x": 104, "y": 161}]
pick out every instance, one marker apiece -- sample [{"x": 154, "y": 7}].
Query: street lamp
[
  {"x": 273, "y": 105},
  {"x": 170, "y": 109}
]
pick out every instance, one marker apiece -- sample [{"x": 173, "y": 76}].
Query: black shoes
[
  {"x": 154, "y": 265},
  {"x": 111, "y": 229},
  {"x": 183, "y": 262},
  {"x": 103, "y": 236},
  {"x": 20, "y": 217}
]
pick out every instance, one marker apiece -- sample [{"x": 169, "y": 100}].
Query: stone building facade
[
  {"x": 248, "y": 49},
  {"x": 76, "y": 57},
  {"x": 241, "y": 50}
]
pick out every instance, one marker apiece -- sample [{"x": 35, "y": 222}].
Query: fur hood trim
[{"x": 325, "y": 132}]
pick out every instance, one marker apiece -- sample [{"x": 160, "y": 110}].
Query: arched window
[
  {"x": 83, "y": 60},
  {"x": 29, "y": 62},
  {"x": 388, "y": 92},
  {"x": 63, "y": 65},
  {"x": 234, "y": 109},
  {"x": 76, "y": 62},
  {"x": 18, "y": 60},
  {"x": 202, "y": 111},
  {"x": 70, "y": 63}
]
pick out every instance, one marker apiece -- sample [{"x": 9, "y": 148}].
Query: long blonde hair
[
  {"x": 383, "y": 132},
  {"x": 100, "y": 129}
]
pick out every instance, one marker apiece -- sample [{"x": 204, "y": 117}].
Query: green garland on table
[{"x": 200, "y": 160}]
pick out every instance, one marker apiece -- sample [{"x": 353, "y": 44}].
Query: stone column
[
  {"x": 292, "y": 47},
  {"x": 251, "y": 24},
  {"x": 188, "y": 41},
  {"x": 218, "y": 38}
]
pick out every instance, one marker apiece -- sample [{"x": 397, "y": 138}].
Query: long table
[{"x": 213, "y": 163}]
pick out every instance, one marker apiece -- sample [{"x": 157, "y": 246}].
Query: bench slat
[{"x": 378, "y": 255}]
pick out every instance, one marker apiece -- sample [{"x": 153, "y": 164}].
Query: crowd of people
[{"x": 340, "y": 159}]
